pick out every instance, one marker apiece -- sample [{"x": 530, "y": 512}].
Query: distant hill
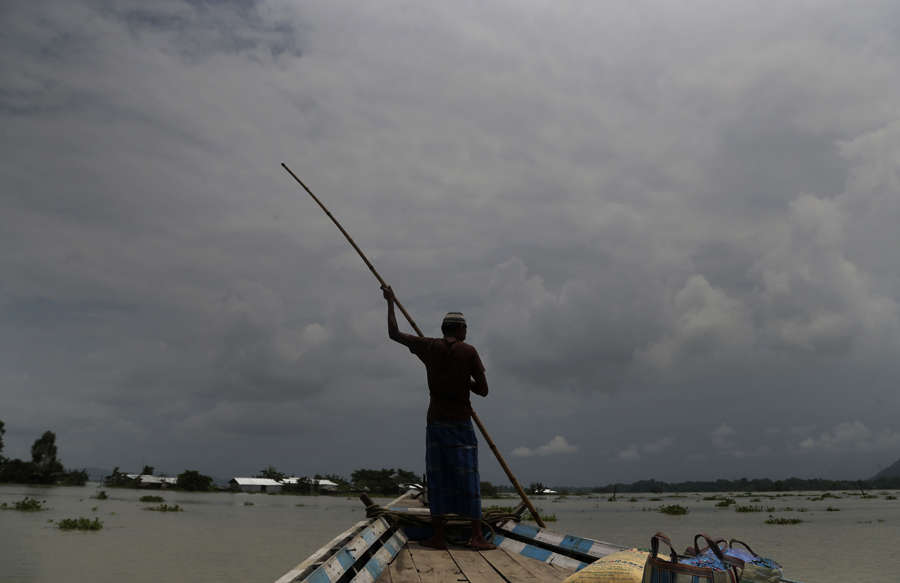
[{"x": 892, "y": 471}]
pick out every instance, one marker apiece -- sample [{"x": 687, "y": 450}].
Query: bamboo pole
[{"x": 409, "y": 319}]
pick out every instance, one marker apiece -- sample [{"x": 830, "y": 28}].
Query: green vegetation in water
[
  {"x": 832, "y": 509},
  {"x": 654, "y": 499},
  {"x": 673, "y": 509},
  {"x": 773, "y": 520},
  {"x": 755, "y": 500},
  {"x": 803, "y": 510},
  {"x": 152, "y": 499},
  {"x": 890, "y": 497},
  {"x": 81, "y": 523},
  {"x": 248, "y": 503},
  {"x": 725, "y": 503},
  {"x": 748, "y": 508},
  {"x": 166, "y": 508},
  {"x": 94, "y": 508},
  {"x": 26, "y": 504},
  {"x": 101, "y": 495},
  {"x": 867, "y": 497},
  {"x": 633, "y": 499}
]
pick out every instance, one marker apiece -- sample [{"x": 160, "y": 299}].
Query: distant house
[
  {"x": 547, "y": 491},
  {"x": 266, "y": 485},
  {"x": 153, "y": 482},
  {"x": 319, "y": 483},
  {"x": 324, "y": 485}
]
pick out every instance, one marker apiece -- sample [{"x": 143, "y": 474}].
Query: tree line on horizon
[
  {"x": 652, "y": 486},
  {"x": 44, "y": 467},
  {"x": 384, "y": 481},
  {"x": 753, "y": 485}
]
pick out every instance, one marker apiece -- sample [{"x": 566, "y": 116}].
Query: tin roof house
[
  {"x": 148, "y": 481},
  {"x": 263, "y": 485}
]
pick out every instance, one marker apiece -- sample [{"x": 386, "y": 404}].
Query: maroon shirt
[{"x": 450, "y": 365}]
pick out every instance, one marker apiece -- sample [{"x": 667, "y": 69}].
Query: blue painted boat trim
[
  {"x": 345, "y": 559},
  {"x": 526, "y": 530},
  {"x": 375, "y": 566},
  {"x": 318, "y": 576},
  {"x": 536, "y": 553},
  {"x": 577, "y": 543},
  {"x": 369, "y": 536}
]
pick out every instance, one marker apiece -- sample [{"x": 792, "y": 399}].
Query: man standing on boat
[{"x": 451, "y": 450}]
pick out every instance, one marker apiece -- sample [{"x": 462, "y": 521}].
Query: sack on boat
[
  {"x": 621, "y": 567},
  {"x": 757, "y": 569},
  {"x": 681, "y": 569},
  {"x": 754, "y": 568}
]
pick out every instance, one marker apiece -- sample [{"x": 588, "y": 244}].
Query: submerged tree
[
  {"x": 44, "y": 467},
  {"x": 194, "y": 481},
  {"x": 119, "y": 479},
  {"x": 299, "y": 486},
  {"x": 43, "y": 458}
]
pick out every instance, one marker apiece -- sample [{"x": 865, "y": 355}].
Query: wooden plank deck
[
  {"x": 418, "y": 564},
  {"x": 475, "y": 567}
]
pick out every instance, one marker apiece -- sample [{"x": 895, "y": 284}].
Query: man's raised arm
[{"x": 394, "y": 332}]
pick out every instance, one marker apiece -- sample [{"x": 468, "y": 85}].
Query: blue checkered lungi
[{"x": 451, "y": 466}]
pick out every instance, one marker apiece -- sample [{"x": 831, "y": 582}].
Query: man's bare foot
[
  {"x": 433, "y": 543},
  {"x": 480, "y": 545}
]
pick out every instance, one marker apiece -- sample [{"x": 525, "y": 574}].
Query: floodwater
[{"x": 220, "y": 538}]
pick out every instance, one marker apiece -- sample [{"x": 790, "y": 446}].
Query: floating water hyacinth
[
  {"x": 166, "y": 508},
  {"x": 80, "y": 523},
  {"x": 773, "y": 520},
  {"x": 673, "y": 509},
  {"x": 26, "y": 504}
]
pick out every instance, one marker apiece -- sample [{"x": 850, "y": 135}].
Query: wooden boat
[{"x": 379, "y": 550}]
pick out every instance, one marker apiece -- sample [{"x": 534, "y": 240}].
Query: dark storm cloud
[{"x": 649, "y": 213}]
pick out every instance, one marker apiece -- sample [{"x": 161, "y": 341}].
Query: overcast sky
[{"x": 672, "y": 227}]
